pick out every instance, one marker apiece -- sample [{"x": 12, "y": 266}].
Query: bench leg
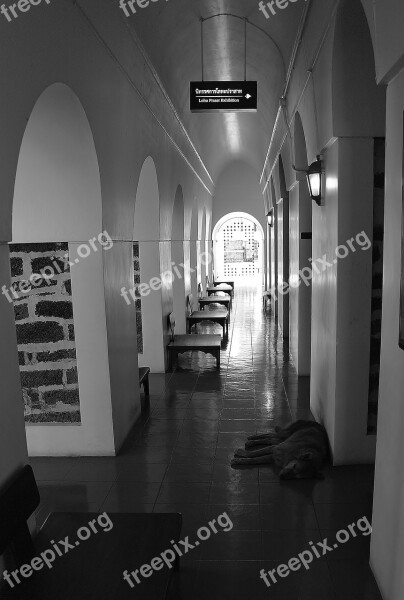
[
  {"x": 146, "y": 386},
  {"x": 218, "y": 359}
]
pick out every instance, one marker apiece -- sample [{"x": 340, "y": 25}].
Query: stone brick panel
[
  {"x": 45, "y": 333},
  {"x": 137, "y": 281}
]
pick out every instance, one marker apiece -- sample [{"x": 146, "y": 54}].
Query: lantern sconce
[{"x": 314, "y": 176}]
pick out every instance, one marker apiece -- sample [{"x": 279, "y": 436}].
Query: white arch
[
  {"x": 147, "y": 233},
  {"x": 57, "y": 177},
  {"x": 147, "y": 204},
  {"x": 236, "y": 215},
  {"x": 57, "y": 198},
  {"x": 219, "y": 259}
]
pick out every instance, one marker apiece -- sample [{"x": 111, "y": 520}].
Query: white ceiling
[{"x": 170, "y": 31}]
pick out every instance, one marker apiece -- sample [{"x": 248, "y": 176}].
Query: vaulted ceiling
[{"x": 170, "y": 31}]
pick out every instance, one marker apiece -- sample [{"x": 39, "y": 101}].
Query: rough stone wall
[
  {"x": 377, "y": 284},
  {"x": 45, "y": 332},
  {"x": 137, "y": 280}
]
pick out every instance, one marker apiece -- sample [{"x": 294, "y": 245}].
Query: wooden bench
[
  {"x": 223, "y": 286},
  {"x": 209, "y": 300},
  {"x": 229, "y": 282},
  {"x": 144, "y": 379},
  {"x": 93, "y": 566},
  {"x": 208, "y": 343},
  {"x": 212, "y": 291},
  {"x": 205, "y": 316}
]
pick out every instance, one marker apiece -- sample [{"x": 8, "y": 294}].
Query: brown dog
[{"x": 299, "y": 450}]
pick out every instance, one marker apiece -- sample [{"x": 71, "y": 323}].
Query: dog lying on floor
[{"x": 299, "y": 450}]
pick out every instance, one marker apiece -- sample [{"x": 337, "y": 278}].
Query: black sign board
[{"x": 223, "y": 96}]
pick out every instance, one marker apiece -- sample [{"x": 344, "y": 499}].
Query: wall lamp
[
  {"x": 314, "y": 175},
  {"x": 315, "y": 180},
  {"x": 270, "y": 219}
]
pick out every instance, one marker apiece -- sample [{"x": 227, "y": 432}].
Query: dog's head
[{"x": 303, "y": 466}]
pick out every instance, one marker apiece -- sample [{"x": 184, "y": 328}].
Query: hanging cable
[
  {"x": 203, "y": 75},
  {"x": 245, "y": 49}
]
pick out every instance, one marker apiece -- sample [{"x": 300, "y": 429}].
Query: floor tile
[
  {"x": 234, "y": 493},
  {"x": 177, "y": 459},
  {"x": 187, "y": 493},
  {"x": 123, "y": 497}
]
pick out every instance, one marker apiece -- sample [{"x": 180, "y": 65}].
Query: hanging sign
[{"x": 223, "y": 96}]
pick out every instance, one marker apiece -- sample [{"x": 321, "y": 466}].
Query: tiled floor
[{"x": 177, "y": 459}]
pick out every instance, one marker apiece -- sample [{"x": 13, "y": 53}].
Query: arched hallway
[
  {"x": 131, "y": 131},
  {"x": 177, "y": 457}
]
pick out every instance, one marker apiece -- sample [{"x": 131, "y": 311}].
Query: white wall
[
  {"x": 341, "y": 302},
  {"x": 283, "y": 265},
  {"x": 237, "y": 190},
  {"x": 387, "y": 546},
  {"x": 300, "y": 297},
  {"x": 122, "y": 342},
  {"x": 153, "y": 342}
]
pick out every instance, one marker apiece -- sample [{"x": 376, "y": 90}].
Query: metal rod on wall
[
  {"x": 245, "y": 49},
  {"x": 202, "y": 49}
]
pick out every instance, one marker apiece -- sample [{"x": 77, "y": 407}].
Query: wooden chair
[
  {"x": 204, "y": 316},
  {"x": 144, "y": 379},
  {"x": 93, "y": 566},
  {"x": 266, "y": 295},
  {"x": 208, "y": 343}
]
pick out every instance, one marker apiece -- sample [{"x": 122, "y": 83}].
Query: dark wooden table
[
  {"x": 204, "y": 316},
  {"x": 208, "y": 300},
  {"x": 208, "y": 343},
  {"x": 93, "y": 569},
  {"x": 224, "y": 281},
  {"x": 227, "y": 289}
]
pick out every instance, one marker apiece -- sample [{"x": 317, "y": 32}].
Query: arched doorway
[
  {"x": 194, "y": 252},
  {"x": 146, "y": 263},
  {"x": 238, "y": 247},
  {"x": 200, "y": 247},
  {"x": 300, "y": 210},
  {"x": 60, "y": 318},
  {"x": 177, "y": 258}
]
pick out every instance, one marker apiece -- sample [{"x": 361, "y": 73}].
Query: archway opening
[
  {"x": 177, "y": 258},
  {"x": 238, "y": 246},
  {"x": 146, "y": 267},
  {"x": 57, "y": 281}
]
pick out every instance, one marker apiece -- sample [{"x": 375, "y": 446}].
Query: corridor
[
  {"x": 177, "y": 459},
  {"x": 151, "y": 152}
]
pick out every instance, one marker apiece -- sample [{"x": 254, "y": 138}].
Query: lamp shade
[
  {"x": 314, "y": 180},
  {"x": 270, "y": 219}
]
